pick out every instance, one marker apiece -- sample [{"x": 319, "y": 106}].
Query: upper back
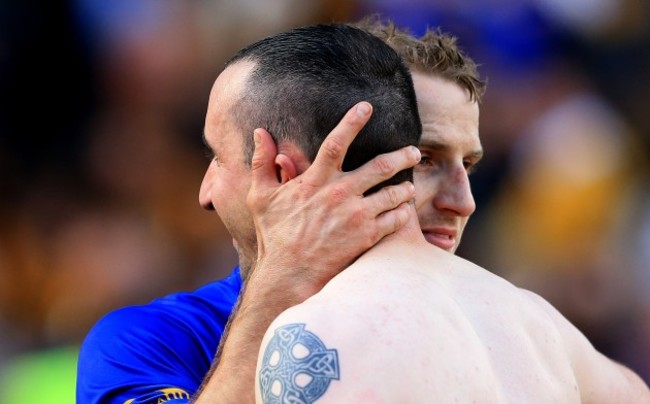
[
  {"x": 411, "y": 323},
  {"x": 457, "y": 324},
  {"x": 405, "y": 330}
]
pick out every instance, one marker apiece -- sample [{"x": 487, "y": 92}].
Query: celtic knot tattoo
[{"x": 297, "y": 368}]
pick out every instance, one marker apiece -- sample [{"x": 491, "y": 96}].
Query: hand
[{"x": 313, "y": 226}]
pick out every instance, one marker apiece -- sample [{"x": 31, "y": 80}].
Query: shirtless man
[
  {"x": 450, "y": 149},
  {"x": 331, "y": 222},
  {"x": 408, "y": 322}
]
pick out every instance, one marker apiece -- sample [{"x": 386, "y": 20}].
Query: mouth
[{"x": 442, "y": 238}]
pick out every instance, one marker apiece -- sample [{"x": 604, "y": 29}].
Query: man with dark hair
[
  {"x": 161, "y": 351},
  {"x": 308, "y": 229},
  {"x": 301, "y": 81}
]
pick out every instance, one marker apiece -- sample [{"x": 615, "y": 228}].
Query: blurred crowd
[{"x": 101, "y": 114}]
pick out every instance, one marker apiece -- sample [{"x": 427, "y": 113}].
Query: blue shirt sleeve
[{"x": 159, "y": 352}]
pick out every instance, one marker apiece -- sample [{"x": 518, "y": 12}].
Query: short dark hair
[{"x": 304, "y": 81}]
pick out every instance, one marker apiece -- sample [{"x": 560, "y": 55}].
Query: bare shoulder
[
  {"x": 307, "y": 354},
  {"x": 599, "y": 378}
]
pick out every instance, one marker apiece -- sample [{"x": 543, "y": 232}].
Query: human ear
[
  {"x": 285, "y": 168},
  {"x": 290, "y": 161}
]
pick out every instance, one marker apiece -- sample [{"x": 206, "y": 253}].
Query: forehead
[
  {"x": 228, "y": 88},
  {"x": 448, "y": 115},
  {"x": 220, "y": 126}
]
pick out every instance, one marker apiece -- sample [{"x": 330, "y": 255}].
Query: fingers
[
  {"x": 262, "y": 163},
  {"x": 332, "y": 152},
  {"x": 392, "y": 220},
  {"x": 383, "y": 167},
  {"x": 389, "y": 198},
  {"x": 263, "y": 176}
]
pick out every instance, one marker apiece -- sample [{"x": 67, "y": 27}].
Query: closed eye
[
  {"x": 207, "y": 151},
  {"x": 470, "y": 167}
]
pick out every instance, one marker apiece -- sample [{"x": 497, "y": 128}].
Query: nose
[
  {"x": 455, "y": 194},
  {"x": 205, "y": 192}
]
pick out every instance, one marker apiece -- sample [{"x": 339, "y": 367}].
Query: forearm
[
  {"x": 232, "y": 376},
  {"x": 309, "y": 228}
]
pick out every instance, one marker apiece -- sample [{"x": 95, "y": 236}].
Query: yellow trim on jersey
[{"x": 170, "y": 394}]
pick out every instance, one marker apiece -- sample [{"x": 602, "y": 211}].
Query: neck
[{"x": 409, "y": 233}]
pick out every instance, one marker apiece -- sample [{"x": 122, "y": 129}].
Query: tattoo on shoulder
[{"x": 296, "y": 367}]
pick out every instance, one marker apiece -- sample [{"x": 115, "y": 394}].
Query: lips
[{"x": 444, "y": 238}]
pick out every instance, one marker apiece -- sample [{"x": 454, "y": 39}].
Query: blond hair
[{"x": 435, "y": 52}]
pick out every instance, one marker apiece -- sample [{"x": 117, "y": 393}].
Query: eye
[
  {"x": 425, "y": 160},
  {"x": 209, "y": 154},
  {"x": 470, "y": 166},
  {"x": 430, "y": 162}
]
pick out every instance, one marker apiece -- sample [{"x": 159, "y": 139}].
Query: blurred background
[{"x": 101, "y": 114}]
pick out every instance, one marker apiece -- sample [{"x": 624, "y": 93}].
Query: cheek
[
  {"x": 228, "y": 197},
  {"x": 425, "y": 189}
]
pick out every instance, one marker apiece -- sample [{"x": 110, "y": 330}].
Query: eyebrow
[{"x": 443, "y": 147}]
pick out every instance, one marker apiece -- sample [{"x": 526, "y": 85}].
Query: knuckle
[
  {"x": 392, "y": 196},
  {"x": 332, "y": 148},
  {"x": 383, "y": 166},
  {"x": 338, "y": 194},
  {"x": 256, "y": 162},
  {"x": 357, "y": 218}
]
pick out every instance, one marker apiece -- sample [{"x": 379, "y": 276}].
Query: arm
[
  {"x": 308, "y": 230},
  {"x": 600, "y": 379},
  {"x": 319, "y": 361},
  {"x": 311, "y": 354}
]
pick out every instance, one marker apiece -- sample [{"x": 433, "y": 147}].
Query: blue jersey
[{"x": 158, "y": 352}]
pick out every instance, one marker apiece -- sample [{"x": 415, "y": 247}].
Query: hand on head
[{"x": 317, "y": 223}]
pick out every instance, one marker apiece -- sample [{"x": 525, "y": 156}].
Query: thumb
[{"x": 263, "y": 176}]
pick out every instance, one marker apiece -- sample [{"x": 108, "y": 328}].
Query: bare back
[{"x": 411, "y": 324}]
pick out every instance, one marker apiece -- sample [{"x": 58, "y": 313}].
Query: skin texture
[
  {"x": 227, "y": 179},
  {"x": 330, "y": 202},
  {"x": 407, "y": 322},
  {"x": 450, "y": 148},
  {"x": 292, "y": 223},
  {"x": 298, "y": 212}
]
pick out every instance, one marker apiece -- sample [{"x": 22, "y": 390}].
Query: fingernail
[
  {"x": 416, "y": 153},
  {"x": 256, "y": 137},
  {"x": 363, "y": 109}
]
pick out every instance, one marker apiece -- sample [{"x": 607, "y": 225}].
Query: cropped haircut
[
  {"x": 304, "y": 81},
  {"x": 435, "y": 52}
]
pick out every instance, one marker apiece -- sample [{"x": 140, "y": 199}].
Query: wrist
[{"x": 277, "y": 285}]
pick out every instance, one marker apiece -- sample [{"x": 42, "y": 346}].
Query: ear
[
  {"x": 290, "y": 162},
  {"x": 285, "y": 167}
]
